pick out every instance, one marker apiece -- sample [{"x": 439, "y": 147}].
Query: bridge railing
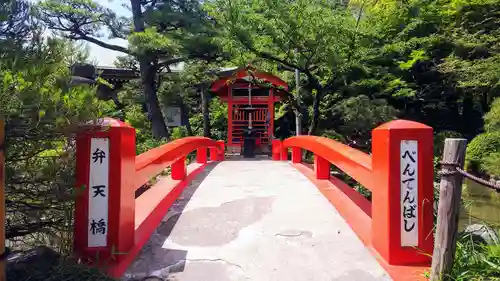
[
  {"x": 399, "y": 173},
  {"x": 110, "y": 221}
]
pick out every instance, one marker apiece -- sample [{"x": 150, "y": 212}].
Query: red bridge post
[
  {"x": 222, "y": 150},
  {"x": 105, "y": 203},
  {"x": 276, "y": 150},
  {"x": 402, "y": 204},
  {"x": 201, "y": 155},
  {"x": 214, "y": 154},
  {"x": 284, "y": 152},
  {"x": 217, "y": 153},
  {"x": 296, "y": 155},
  {"x": 179, "y": 169},
  {"x": 321, "y": 167}
]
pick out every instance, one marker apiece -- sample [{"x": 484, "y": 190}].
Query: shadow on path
[{"x": 155, "y": 263}]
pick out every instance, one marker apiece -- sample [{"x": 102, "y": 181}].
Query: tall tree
[
  {"x": 41, "y": 114},
  {"x": 309, "y": 35},
  {"x": 164, "y": 33}
]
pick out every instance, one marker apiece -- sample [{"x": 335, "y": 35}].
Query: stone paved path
[{"x": 254, "y": 220}]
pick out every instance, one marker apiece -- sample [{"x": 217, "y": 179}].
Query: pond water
[{"x": 480, "y": 205}]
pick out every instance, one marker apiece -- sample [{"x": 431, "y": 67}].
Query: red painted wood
[
  {"x": 214, "y": 154},
  {"x": 321, "y": 167},
  {"x": 179, "y": 168},
  {"x": 355, "y": 163},
  {"x": 387, "y": 197},
  {"x": 296, "y": 155},
  {"x": 229, "y": 120},
  {"x": 154, "y": 161},
  {"x": 201, "y": 155},
  {"x": 284, "y": 153},
  {"x": 121, "y": 198},
  {"x": 244, "y": 100},
  {"x": 221, "y": 151},
  {"x": 356, "y": 211},
  {"x": 381, "y": 174},
  {"x": 127, "y": 173},
  {"x": 243, "y": 72},
  {"x": 276, "y": 150},
  {"x": 151, "y": 208},
  {"x": 270, "y": 109}
]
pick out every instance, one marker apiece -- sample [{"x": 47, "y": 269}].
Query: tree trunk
[
  {"x": 188, "y": 125},
  {"x": 298, "y": 114},
  {"x": 298, "y": 122},
  {"x": 148, "y": 74},
  {"x": 472, "y": 120},
  {"x": 205, "y": 112},
  {"x": 185, "y": 117},
  {"x": 315, "y": 116}
]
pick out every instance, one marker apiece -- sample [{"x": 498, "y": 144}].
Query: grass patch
[{"x": 475, "y": 262}]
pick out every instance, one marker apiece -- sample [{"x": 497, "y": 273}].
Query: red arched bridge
[{"x": 259, "y": 219}]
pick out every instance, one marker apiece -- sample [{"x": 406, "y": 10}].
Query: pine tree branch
[{"x": 82, "y": 36}]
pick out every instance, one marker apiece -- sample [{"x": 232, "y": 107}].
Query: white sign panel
[
  {"x": 173, "y": 117},
  {"x": 409, "y": 193},
  {"x": 98, "y": 192}
]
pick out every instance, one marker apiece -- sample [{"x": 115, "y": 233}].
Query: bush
[
  {"x": 64, "y": 271},
  {"x": 491, "y": 164},
  {"x": 360, "y": 115},
  {"x": 492, "y": 118},
  {"x": 481, "y": 147}
]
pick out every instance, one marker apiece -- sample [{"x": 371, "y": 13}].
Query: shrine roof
[
  {"x": 230, "y": 76},
  {"x": 117, "y": 74}
]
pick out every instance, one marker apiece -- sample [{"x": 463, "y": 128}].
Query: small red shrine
[{"x": 250, "y": 104}]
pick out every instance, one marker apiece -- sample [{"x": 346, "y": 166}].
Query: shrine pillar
[
  {"x": 270, "y": 110},
  {"x": 229, "y": 117}
]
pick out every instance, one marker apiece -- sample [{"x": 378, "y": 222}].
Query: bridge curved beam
[
  {"x": 353, "y": 162},
  {"x": 154, "y": 161}
]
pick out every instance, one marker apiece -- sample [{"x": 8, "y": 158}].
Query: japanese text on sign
[
  {"x": 409, "y": 193},
  {"x": 98, "y": 192}
]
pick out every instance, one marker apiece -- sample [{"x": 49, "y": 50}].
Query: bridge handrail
[
  {"x": 107, "y": 165},
  {"x": 399, "y": 172},
  {"x": 355, "y": 163},
  {"x": 154, "y": 161}
]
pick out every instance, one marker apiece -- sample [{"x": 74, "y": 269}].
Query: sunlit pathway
[{"x": 254, "y": 220}]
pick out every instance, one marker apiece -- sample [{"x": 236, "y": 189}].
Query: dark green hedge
[{"x": 480, "y": 148}]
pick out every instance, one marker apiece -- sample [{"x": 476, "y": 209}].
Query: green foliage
[
  {"x": 481, "y": 147},
  {"x": 334, "y": 135},
  {"x": 360, "y": 116},
  {"x": 414, "y": 57},
  {"x": 137, "y": 118},
  {"x": 476, "y": 262},
  {"x": 491, "y": 164},
  {"x": 492, "y": 118},
  {"x": 218, "y": 119},
  {"x": 42, "y": 114}
]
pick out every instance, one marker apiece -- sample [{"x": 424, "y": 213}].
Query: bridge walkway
[{"x": 254, "y": 220}]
